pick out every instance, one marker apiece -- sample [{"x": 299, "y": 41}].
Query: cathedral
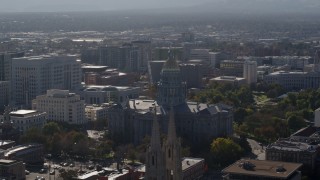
[
  {"x": 195, "y": 122},
  {"x": 164, "y": 162}
]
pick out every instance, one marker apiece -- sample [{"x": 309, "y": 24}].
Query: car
[
  {"x": 90, "y": 167},
  {"x": 42, "y": 171},
  {"x": 52, "y": 172},
  {"x": 71, "y": 165},
  {"x": 38, "y": 177},
  {"x": 42, "y": 178},
  {"x": 27, "y": 172},
  {"x": 61, "y": 170},
  {"x": 65, "y": 164}
]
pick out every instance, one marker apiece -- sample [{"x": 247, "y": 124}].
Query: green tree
[
  {"x": 50, "y": 129},
  {"x": 225, "y": 151},
  {"x": 296, "y": 122}
]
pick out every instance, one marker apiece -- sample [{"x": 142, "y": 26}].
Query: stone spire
[
  {"x": 155, "y": 135},
  {"x": 172, "y": 136},
  {"x": 172, "y": 150},
  {"x": 155, "y": 164}
]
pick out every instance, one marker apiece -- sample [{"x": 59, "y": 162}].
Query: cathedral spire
[
  {"x": 172, "y": 136},
  {"x": 155, "y": 135}
]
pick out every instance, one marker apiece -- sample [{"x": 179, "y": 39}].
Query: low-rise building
[
  {"x": 95, "y": 94},
  {"x": 192, "y": 168},
  {"x": 235, "y": 81},
  {"x": 26, "y": 119},
  {"x": 61, "y": 105},
  {"x": 262, "y": 170},
  {"x": 287, "y": 150},
  {"x": 29, "y": 154},
  {"x": 12, "y": 170},
  {"x": 96, "y": 112},
  {"x": 294, "y": 80},
  {"x": 231, "y": 68}
]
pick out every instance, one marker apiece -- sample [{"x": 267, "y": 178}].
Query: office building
[
  {"x": 250, "y": 72},
  {"x": 62, "y": 106},
  {"x": 33, "y": 76},
  {"x": 234, "y": 81},
  {"x": 12, "y": 170},
  {"x": 231, "y": 68},
  {"x": 96, "y": 112},
  {"x": 6, "y": 64},
  {"x": 26, "y": 119},
  {"x": 5, "y": 94},
  {"x": 145, "y": 54},
  {"x": 95, "y": 94}
]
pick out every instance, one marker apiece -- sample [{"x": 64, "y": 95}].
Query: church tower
[
  {"x": 155, "y": 164},
  {"x": 172, "y": 151},
  {"x": 171, "y": 89}
]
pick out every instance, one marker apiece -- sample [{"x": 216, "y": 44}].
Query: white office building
[
  {"x": 96, "y": 112},
  {"x": 33, "y": 76},
  {"x": 61, "y": 105},
  {"x": 250, "y": 72},
  {"x": 26, "y": 119}
]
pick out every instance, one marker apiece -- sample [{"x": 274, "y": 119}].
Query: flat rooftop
[
  {"x": 188, "y": 162},
  {"x": 22, "y": 112},
  {"x": 272, "y": 169}
]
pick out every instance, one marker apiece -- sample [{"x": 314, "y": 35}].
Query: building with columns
[{"x": 196, "y": 122}]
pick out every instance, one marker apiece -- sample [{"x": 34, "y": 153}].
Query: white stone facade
[{"x": 61, "y": 105}]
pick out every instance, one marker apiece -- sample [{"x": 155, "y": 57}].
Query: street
[{"x": 257, "y": 150}]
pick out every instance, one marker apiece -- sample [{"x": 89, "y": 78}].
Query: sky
[
  {"x": 197, "y": 5},
  {"x": 90, "y": 5}
]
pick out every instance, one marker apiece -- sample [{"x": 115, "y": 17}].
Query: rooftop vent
[{"x": 280, "y": 169}]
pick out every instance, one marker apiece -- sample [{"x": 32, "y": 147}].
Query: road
[{"x": 257, "y": 149}]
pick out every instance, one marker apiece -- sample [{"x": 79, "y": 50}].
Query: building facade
[
  {"x": 30, "y": 154},
  {"x": 61, "y": 105},
  {"x": 33, "y": 76},
  {"x": 250, "y": 72},
  {"x": 5, "y": 94},
  {"x": 12, "y": 170},
  {"x": 26, "y": 119}
]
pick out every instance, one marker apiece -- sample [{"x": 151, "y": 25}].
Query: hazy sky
[
  {"x": 209, "y": 5},
  {"x": 89, "y": 5}
]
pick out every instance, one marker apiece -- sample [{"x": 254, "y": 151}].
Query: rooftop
[
  {"x": 287, "y": 145},
  {"x": 22, "y": 112},
  {"x": 188, "y": 162},
  {"x": 6, "y": 162},
  {"x": 272, "y": 169}
]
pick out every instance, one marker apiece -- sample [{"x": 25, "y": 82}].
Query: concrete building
[
  {"x": 294, "y": 80},
  {"x": 145, "y": 54},
  {"x": 262, "y": 170},
  {"x": 95, "y": 94},
  {"x": 205, "y": 54},
  {"x": 231, "y": 68},
  {"x": 30, "y": 154},
  {"x": 287, "y": 150},
  {"x": 96, "y": 112},
  {"x": 235, "y": 81},
  {"x": 6, "y": 64},
  {"x": 317, "y": 118},
  {"x": 5, "y": 94},
  {"x": 250, "y": 72},
  {"x": 33, "y": 76},
  {"x": 12, "y": 170},
  {"x": 112, "y": 77},
  {"x": 26, "y": 119},
  {"x": 61, "y": 105},
  {"x": 154, "y": 70}
]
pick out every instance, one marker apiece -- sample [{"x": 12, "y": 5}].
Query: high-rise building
[
  {"x": 33, "y": 76},
  {"x": 129, "y": 57},
  {"x": 145, "y": 54},
  {"x": 250, "y": 72},
  {"x": 5, "y": 94},
  {"x": 109, "y": 56},
  {"x": 6, "y": 63},
  {"x": 61, "y": 105}
]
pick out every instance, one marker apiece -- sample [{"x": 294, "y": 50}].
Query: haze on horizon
[{"x": 222, "y": 6}]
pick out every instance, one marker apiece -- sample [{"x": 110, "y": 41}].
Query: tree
[
  {"x": 50, "y": 129},
  {"x": 68, "y": 175},
  {"x": 296, "y": 122},
  {"x": 225, "y": 151}
]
